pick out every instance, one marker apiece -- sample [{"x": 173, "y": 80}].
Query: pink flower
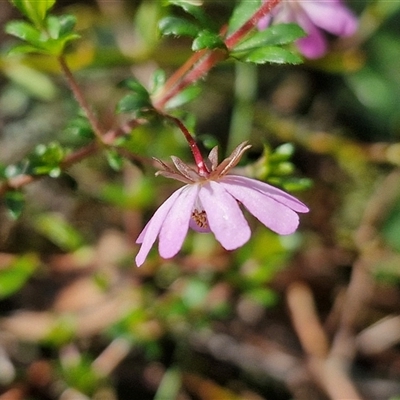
[
  {"x": 212, "y": 204},
  {"x": 313, "y": 15}
]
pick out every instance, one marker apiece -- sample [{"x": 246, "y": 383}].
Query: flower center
[{"x": 200, "y": 218}]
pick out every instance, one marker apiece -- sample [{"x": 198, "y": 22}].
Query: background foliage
[{"x": 302, "y": 317}]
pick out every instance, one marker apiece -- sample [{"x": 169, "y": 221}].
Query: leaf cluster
[{"x": 42, "y": 33}]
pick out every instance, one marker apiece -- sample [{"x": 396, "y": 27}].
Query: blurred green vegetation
[{"x": 79, "y": 320}]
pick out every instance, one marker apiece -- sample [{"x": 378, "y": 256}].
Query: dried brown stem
[{"x": 329, "y": 372}]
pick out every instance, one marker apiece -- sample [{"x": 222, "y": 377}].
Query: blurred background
[{"x": 314, "y": 315}]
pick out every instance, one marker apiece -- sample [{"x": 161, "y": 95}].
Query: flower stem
[
  {"x": 80, "y": 98},
  {"x": 198, "y": 158},
  {"x": 243, "y": 107},
  {"x": 238, "y": 35},
  {"x": 200, "y": 63}
]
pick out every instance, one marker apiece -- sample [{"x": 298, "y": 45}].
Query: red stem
[
  {"x": 238, "y": 35},
  {"x": 80, "y": 98},
  {"x": 195, "y": 68},
  {"x": 202, "y": 61},
  {"x": 201, "y": 166}
]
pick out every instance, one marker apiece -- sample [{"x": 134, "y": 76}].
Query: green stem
[{"x": 243, "y": 109}]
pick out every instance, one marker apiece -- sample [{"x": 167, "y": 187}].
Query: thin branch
[{"x": 80, "y": 98}]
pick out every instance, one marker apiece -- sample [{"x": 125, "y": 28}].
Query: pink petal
[
  {"x": 176, "y": 224},
  {"x": 150, "y": 232},
  {"x": 314, "y": 45},
  {"x": 270, "y": 191},
  {"x": 224, "y": 216},
  {"x": 264, "y": 22},
  {"x": 332, "y": 16},
  {"x": 273, "y": 214}
]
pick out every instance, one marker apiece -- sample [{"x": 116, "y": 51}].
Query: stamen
[{"x": 200, "y": 218}]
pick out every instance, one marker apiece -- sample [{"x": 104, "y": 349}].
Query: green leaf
[
  {"x": 294, "y": 184},
  {"x": 134, "y": 85},
  {"x": 282, "y": 153},
  {"x": 273, "y": 36},
  {"x": 157, "y": 80},
  {"x": 207, "y": 40},
  {"x": 271, "y": 54},
  {"x": 35, "y": 10},
  {"x": 178, "y": 27},
  {"x": 67, "y": 24},
  {"x": 195, "y": 10},
  {"x": 183, "y": 97},
  {"x": 242, "y": 13},
  {"x": 25, "y": 31},
  {"x": 15, "y": 275},
  {"x": 133, "y": 102},
  {"x": 170, "y": 385},
  {"x": 46, "y": 159},
  {"x": 52, "y": 41},
  {"x": 80, "y": 127},
  {"x": 15, "y": 203},
  {"x": 263, "y": 296},
  {"x": 34, "y": 82},
  {"x": 115, "y": 161},
  {"x": 55, "y": 228}
]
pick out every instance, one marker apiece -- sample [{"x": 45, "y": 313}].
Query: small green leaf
[
  {"x": 283, "y": 152},
  {"x": 170, "y": 385},
  {"x": 54, "y": 227},
  {"x": 46, "y": 159},
  {"x": 183, "y": 97},
  {"x": 178, "y": 27},
  {"x": 34, "y": 82},
  {"x": 25, "y": 31},
  {"x": 35, "y": 10},
  {"x": 157, "y": 80},
  {"x": 22, "y": 49},
  {"x": 271, "y": 54},
  {"x": 51, "y": 41},
  {"x": 133, "y": 102},
  {"x": 134, "y": 85},
  {"x": 53, "y": 26},
  {"x": 263, "y": 296},
  {"x": 15, "y": 203},
  {"x": 15, "y": 275},
  {"x": 115, "y": 161},
  {"x": 80, "y": 127},
  {"x": 195, "y": 10},
  {"x": 242, "y": 13},
  {"x": 272, "y": 36},
  {"x": 207, "y": 40},
  {"x": 67, "y": 24}
]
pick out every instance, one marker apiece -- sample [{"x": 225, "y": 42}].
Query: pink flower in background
[
  {"x": 313, "y": 16},
  {"x": 212, "y": 204}
]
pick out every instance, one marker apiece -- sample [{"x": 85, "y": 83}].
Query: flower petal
[
  {"x": 224, "y": 216},
  {"x": 277, "y": 194},
  {"x": 331, "y": 16},
  {"x": 150, "y": 232},
  {"x": 176, "y": 224},
  {"x": 314, "y": 45},
  {"x": 273, "y": 214}
]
